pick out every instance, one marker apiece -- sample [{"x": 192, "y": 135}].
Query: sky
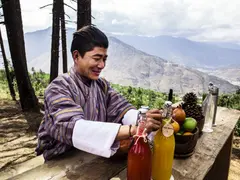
[{"x": 202, "y": 20}]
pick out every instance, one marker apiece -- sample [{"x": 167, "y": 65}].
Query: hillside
[{"x": 232, "y": 74}]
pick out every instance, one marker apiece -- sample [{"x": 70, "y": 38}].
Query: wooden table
[{"x": 211, "y": 159}]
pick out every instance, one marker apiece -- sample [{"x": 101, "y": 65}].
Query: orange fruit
[
  {"x": 179, "y": 114},
  {"x": 176, "y": 126},
  {"x": 187, "y": 134}
]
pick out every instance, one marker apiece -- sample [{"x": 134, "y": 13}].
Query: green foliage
[
  {"x": 2, "y": 75},
  {"x": 139, "y": 96},
  {"x": 204, "y": 95},
  {"x": 4, "y": 89},
  {"x": 230, "y": 100},
  {"x": 39, "y": 81},
  {"x": 237, "y": 131},
  {"x": 238, "y": 91}
]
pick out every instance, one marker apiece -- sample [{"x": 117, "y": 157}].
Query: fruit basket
[
  {"x": 185, "y": 144},
  {"x": 186, "y": 132}
]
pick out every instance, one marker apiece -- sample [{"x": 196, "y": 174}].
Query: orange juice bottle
[{"x": 163, "y": 147}]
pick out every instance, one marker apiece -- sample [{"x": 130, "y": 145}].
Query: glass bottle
[
  {"x": 163, "y": 147},
  {"x": 139, "y": 166}
]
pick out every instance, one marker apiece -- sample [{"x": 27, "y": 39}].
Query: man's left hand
[{"x": 154, "y": 119}]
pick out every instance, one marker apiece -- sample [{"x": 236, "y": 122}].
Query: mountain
[
  {"x": 128, "y": 66},
  {"x": 232, "y": 74},
  {"x": 133, "y": 67},
  {"x": 186, "y": 52},
  {"x": 227, "y": 45}
]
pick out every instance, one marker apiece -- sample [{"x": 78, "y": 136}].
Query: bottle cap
[
  {"x": 167, "y": 109},
  {"x": 167, "y": 104},
  {"x": 143, "y": 109}
]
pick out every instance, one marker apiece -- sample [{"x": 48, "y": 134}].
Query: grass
[{"x": 4, "y": 92}]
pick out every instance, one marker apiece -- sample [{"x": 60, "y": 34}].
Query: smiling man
[{"x": 82, "y": 110}]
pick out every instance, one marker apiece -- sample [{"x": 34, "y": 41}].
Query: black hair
[{"x": 88, "y": 37}]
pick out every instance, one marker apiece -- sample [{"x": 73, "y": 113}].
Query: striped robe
[{"x": 68, "y": 100}]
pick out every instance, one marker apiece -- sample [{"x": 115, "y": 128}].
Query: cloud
[
  {"x": 33, "y": 17},
  {"x": 206, "y": 20},
  {"x": 194, "y": 19}
]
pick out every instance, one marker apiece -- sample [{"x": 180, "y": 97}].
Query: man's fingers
[
  {"x": 155, "y": 116},
  {"x": 154, "y": 111},
  {"x": 153, "y": 121},
  {"x": 155, "y": 127},
  {"x": 152, "y": 129},
  {"x": 150, "y": 126}
]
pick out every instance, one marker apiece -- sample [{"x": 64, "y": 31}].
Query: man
[{"x": 82, "y": 110}]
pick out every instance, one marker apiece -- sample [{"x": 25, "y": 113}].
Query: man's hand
[{"x": 154, "y": 119}]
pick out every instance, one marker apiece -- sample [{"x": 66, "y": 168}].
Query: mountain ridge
[{"x": 184, "y": 51}]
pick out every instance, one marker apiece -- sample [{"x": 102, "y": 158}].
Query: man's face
[{"x": 92, "y": 63}]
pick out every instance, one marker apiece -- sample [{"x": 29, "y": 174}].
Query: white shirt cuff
[
  {"x": 130, "y": 117},
  {"x": 96, "y": 137}
]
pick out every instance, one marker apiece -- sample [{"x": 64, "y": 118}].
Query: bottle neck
[
  {"x": 140, "y": 128},
  {"x": 141, "y": 125},
  {"x": 167, "y": 112},
  {"x": 141, "y": 132}
]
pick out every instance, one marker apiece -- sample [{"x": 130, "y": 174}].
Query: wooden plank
[
  {"x": 77, "y": 165},
  {"x": 121, "y": 176},
  {"x": 208, "y": 147},
  {"x": 220, "y": 168},
  {"x": 57, "y": 167}
]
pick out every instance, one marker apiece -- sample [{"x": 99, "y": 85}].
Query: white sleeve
[
  {"x": 96, "y": 137},
  {"x": 130, "y": 117}
]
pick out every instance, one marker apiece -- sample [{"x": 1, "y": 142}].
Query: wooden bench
[{"x": 211, "y": 159}]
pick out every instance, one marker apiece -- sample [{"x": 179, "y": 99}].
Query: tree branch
[
  {"x": 45, "y": 6},
  {"x": 67, "y": 16},
  {"x": 71, "y": 21},
  {"x": 70, "y": 7}
]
